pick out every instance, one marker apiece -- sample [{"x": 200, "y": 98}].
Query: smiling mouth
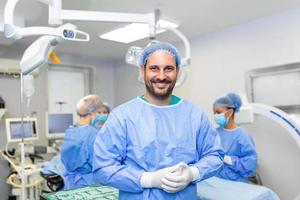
[{"x": 161, "y": 85}]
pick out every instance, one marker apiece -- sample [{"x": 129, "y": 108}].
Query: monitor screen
[
  {"x": 16, "y": 130},
  {"x": 58, "y": 123}
]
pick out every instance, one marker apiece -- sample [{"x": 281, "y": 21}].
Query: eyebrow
[{"x": 163, "y": 66}]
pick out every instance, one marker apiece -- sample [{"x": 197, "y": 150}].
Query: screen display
[
  {"x": 25, "y": 130},
  {"x": 59, "y": 123}
]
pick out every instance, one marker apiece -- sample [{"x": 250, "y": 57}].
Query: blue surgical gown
[
  {"x": 77, "y": 155},
  {"x": 139, "y": 137},
  {"x": 239, "y": 145}
]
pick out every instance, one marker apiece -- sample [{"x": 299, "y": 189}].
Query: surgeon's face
[
  {"x": 221, "y": 109},
  {"x": 160, "y": 74},
  {"x": 103, "y": 111}
]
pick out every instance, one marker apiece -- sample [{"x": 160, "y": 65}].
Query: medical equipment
[
  {"x": 57, "y": 124},
  {"x": 55, "y": 58},
  {"x": 86, "y": 193},
  {"x": 2, "y": 107},
  {"x": 277, "y": 139},
  {"x": 278, "y": 86},
  {"x": 25, "y": 181},
  {"x": 19, "y": 130},
  {"x": 2, "y": 112},
  {"x": 28, "y": 88},
  {"x": 28, "y": 85},
  {"x": 37, "y": 53},
  {"x": 2, "y": 103},
  {"x": 276, "y": 131},
  {"x": 57, "y": 15},
  {"x": 12, "y": 31},
  {"x": 15, "y": 132}
]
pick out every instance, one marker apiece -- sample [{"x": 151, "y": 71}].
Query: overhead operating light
[{"x": 135, "y": 31}]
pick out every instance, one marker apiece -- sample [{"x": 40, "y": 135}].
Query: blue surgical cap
[
  {"x": 159, "y": 46},
  {"x": 231, "y": 100}
]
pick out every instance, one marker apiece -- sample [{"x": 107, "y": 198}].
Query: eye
[
  {"x": 153, "y": 68},
  {"x": 169, "y": 68}
]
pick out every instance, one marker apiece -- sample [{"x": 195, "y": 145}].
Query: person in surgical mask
[
  {"x": 77, "y": 148},
  {"x": 240, "y": 155},
  {"x": 103, "y": 112}
]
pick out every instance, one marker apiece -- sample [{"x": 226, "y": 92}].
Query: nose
[{"x": 161, "y": 74}]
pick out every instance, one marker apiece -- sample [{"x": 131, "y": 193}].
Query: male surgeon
[{"x": 157, "y": 146}]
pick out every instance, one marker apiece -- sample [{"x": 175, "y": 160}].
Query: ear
[{"x": 230, "y": 113}]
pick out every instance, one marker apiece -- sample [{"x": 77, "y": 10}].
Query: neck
[
  {"x": 231, "y": 124},
  {"x": 155, "y": 101},
  {"x": 84, "y": 121}
]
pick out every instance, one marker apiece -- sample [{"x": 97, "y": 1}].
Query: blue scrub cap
[
  {"x": 159, "y": 46},
  {"x": 231, "y": 100},
  {"x": 88, "y": 104}
]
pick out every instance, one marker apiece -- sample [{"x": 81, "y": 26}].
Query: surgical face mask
[
  {"x": 100, "y": 119},
  {"x": 221, "y": 120}
]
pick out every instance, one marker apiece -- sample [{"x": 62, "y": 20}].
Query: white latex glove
[
  {"x": 174, "y": 182},
  {"x": 153, "y": 179},
  {"x": 227, "y": 160}
]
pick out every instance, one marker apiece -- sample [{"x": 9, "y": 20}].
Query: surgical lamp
[
  {"x": 68, "y": 32},
  {"x": 37, "y": 53},
  {"x": 133, "y": 56},
  {"x": 57, "y": 15}
]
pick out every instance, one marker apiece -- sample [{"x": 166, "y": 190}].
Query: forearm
[
  {"x": 245, "y": 166},
  {"x": 119, "y": 176},
  {"x": 208, "y": 166}
]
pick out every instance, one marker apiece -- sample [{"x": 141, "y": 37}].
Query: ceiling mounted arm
[
  {"x": 57, "y": 15},
  {"x": 67, "y": 32}
]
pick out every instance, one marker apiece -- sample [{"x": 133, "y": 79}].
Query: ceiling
[{"x": 195, "y": 17}]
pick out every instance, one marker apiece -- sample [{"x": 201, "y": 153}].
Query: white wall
[
  {"x": 220, "y": 59},
  {"x": 126, "y": 85},
  {"x": 103, "y": 74}
]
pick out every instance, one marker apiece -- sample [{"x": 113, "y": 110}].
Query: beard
[{"x": 157, "y": 93}]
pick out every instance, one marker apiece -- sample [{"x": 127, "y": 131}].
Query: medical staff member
[
  {"x": 240, "y": 154},
  {"x": 157, "y": 146},
  {"x": 104, "y": 111},
  {"x": 77, "y": 148}
]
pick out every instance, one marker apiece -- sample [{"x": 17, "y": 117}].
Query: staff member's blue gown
[
  {"x": 77, "y": 156},
  {"x": 139, "y": 137},
  {"x": 238, "y": 144}
]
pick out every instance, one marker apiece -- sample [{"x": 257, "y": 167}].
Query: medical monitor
[
  {"x": 16, "y": 130},
  {"x": 57, "y": 124}
]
